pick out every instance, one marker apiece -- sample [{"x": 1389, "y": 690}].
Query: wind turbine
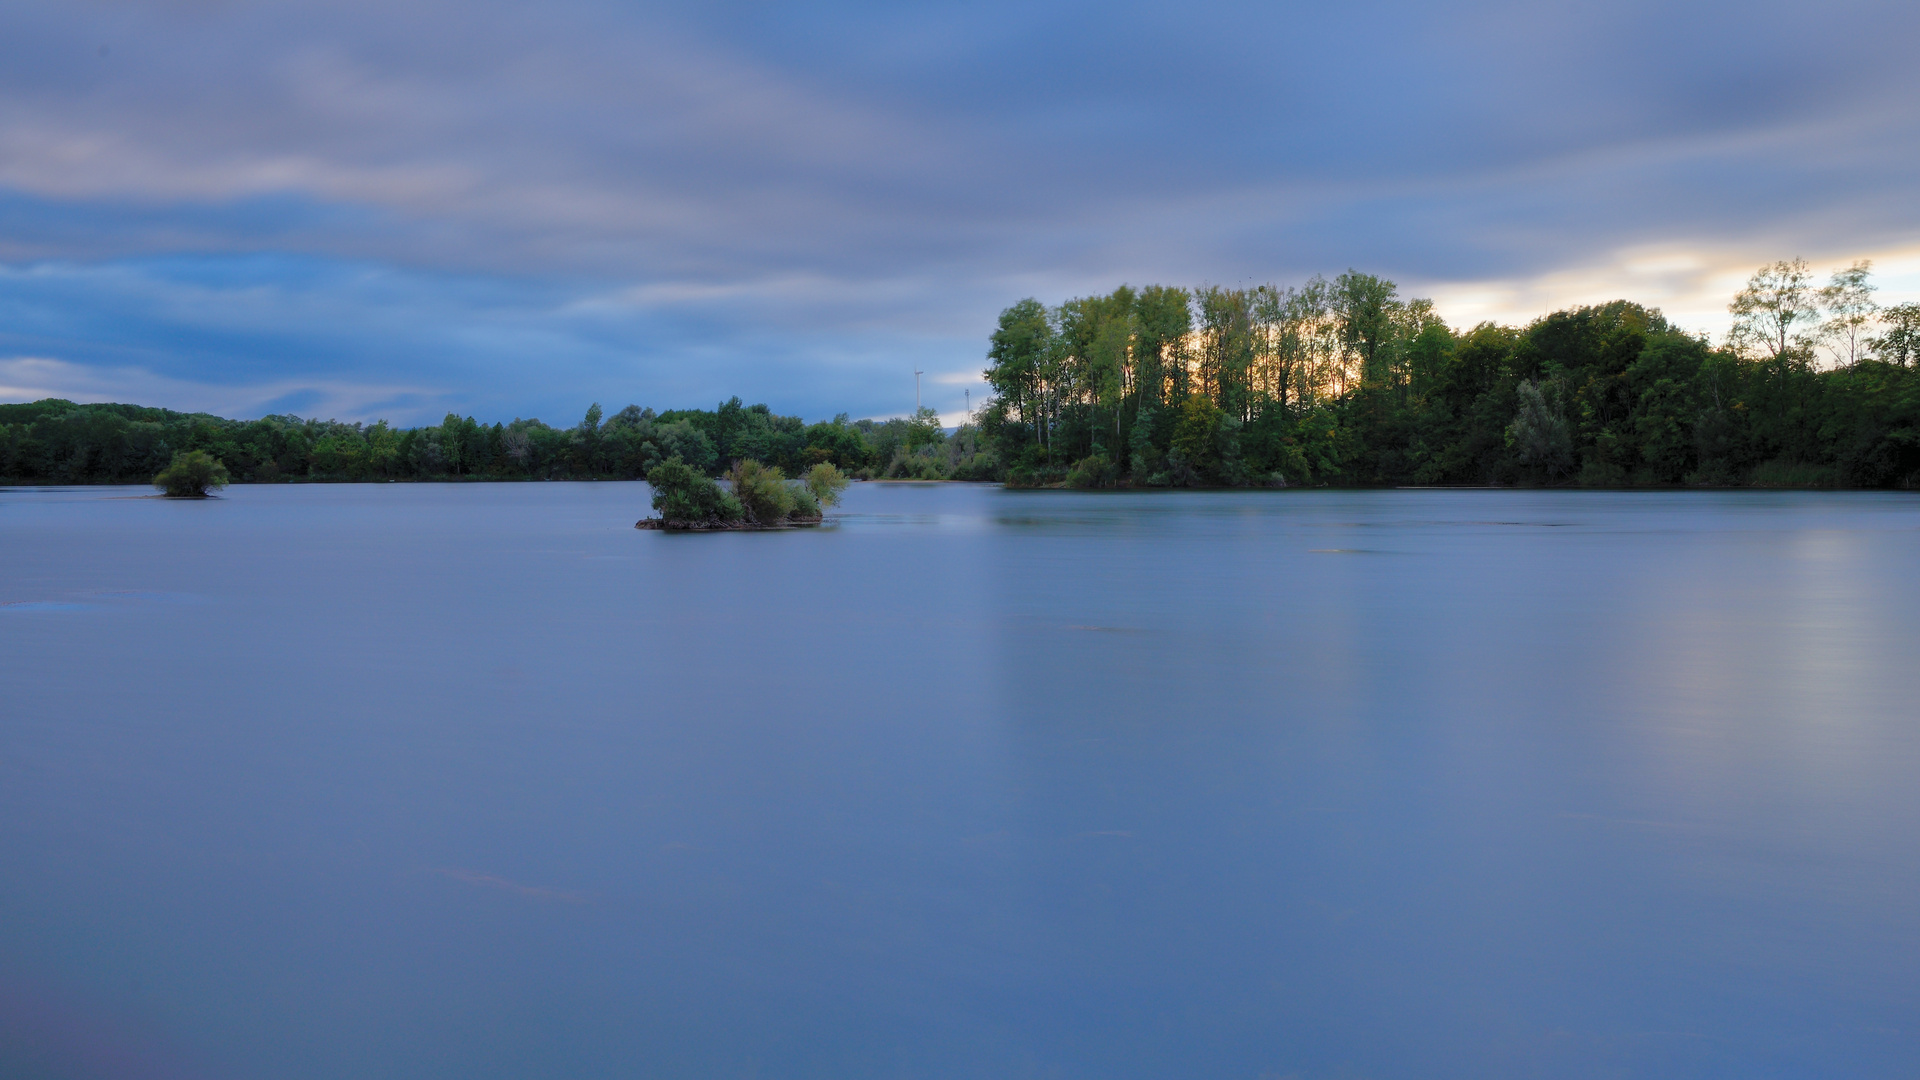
[{"x": 916, "y": 390}]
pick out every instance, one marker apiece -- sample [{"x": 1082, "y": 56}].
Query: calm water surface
[{"x": 479, "y": 782}]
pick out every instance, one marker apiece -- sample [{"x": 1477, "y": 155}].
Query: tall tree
[
  {"x": 1314, "y": 324},
  {"x": 1848, "y": 300},
  {"x": 1164, "y": 320},
  {"x": 1775, "y": 311},
  {"x": 1226, "y": 346},
  {"x": 1900, "y": 345},
  {"x": 1017, "y": 355},
  {"x": 1110, "y": 356},
  {"x": 1368, "y": 308}
]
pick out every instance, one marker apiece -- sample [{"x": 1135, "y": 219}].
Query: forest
[
  {"x": 58, "y": 442},
  {"x": 1343, "y": 382},
  {"x": 1329, "y": 383}
]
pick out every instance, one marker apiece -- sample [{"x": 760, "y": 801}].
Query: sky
[{"x": 396, "y": 209}]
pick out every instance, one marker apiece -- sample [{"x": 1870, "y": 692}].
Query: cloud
[
  {"x": 371, "y": 342},
  {"x": 1692, "y": 286},
  {"x": 30, "y": 378},
  {"x": 658, "y": 144},
  {"x": 527, "y": 207}
]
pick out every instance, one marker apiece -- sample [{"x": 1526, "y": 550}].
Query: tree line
[
  {"x": 55, "y": 441},
  {"x": 1340, "y": 382},
  {"x": 1344, "y": 382}
]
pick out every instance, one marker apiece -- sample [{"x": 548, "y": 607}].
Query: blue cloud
[
  {"x": 370, "y": 341},
  {"x": 513, "y": 208}
]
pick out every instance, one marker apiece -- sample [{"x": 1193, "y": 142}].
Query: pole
[{"x": 916, "y": 390}]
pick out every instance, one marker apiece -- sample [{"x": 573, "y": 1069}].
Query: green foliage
[
  {"x": 924, "y": 429},
  {"x": 825, "y": 483},
  {"x": 838, "y": 443},
  {"x": 57, "y": 441},
  {"x": 970, "y": 460},
  {"x": 1163, "y": 320},
  {"x": 1144, "y": 459},
  {"x": 1345, "y": 382},
  {"x": 1900, "y": 345},
  {"x": 1773, "y": 316},
  {"x": 1663, "y": 405},
  {"x": 1793, "y": 474},
  {"x": 191, "y": 475},
  {"x": 1019, "y": 355},
  {"x": 762, "y": 491},
  {"x": 1539, "y": 434},
  {"x": 683, "y": 440},
  {"x": 1366, "y": 307},
  {"x": 684, "y": 496},
  {"x": 1195, "y": 452},
  {"x": 906, "y": 465},
  {"x": 1340, "y": 382},
  {"x": 1094, "y": 471},
  {"x": 1847, "y": 301},
  {"x": 806, "y": 507}
]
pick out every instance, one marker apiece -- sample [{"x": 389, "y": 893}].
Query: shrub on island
[
  {"x": 761, "y": 497},
  {"x": 191, "y": 475},
  {"x": 688, "y": 499},
  {"x": 763, "y": 493},
  {"x": 825, "y": 483}
]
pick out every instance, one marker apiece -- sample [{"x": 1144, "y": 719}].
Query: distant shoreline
[{"x": 1119, "y": 489}]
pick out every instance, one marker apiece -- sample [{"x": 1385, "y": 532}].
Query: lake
[{"x": 478, "y": 781}]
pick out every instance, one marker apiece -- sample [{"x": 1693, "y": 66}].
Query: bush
[
  {"x": 982, "y": 465},
  {"x": 805, "y": 506},
  {"x": 1033, "y": 476},
  {"x": 1180, "y": 471},
  {"x": 1196, "y": 439},
  {"x": 190, "y": 475},
  {"x": 1539, "y": 434},
  {"x": 1793, "y": 474},
  {"x": 908, "y": 465},
  {"x": 762, "y": 491},
  {"x": 825, "y": 483},
  {"x": 1093, "y": 471},
  {"x": 685, "y": 497}
]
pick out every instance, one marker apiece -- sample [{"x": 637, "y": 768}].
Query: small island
[
  {"x": 757, "y": 497},
  {"x": 192, "y": 474}
]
